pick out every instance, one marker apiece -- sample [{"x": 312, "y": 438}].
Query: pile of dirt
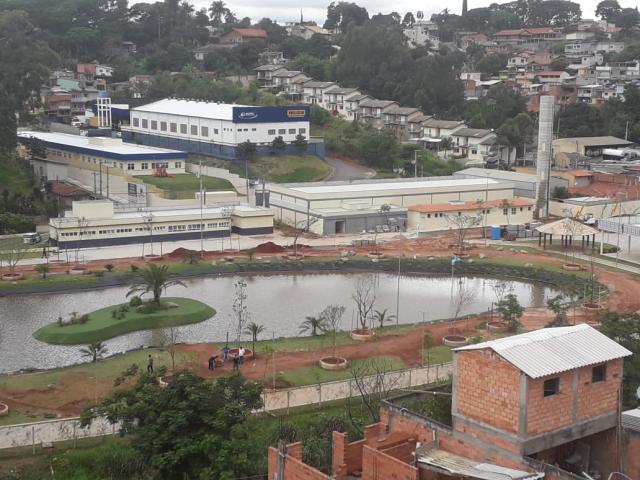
[
  {"x": 181, "y": 252},
  {"x": 269, "y": 247}
]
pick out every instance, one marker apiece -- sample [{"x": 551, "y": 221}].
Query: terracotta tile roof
[
  {"x": 463, "y": 206},
  {"x": 67, "y": 190},
  {"x": 581, "y": 173},
  {"x": 251, "y": 32}
]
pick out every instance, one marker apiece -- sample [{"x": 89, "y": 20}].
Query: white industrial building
[
  {"x": 329, "y": 208},
  {"x": 525, "y": 184},
  {"x": 96, "y": 223},
  {"x": 217, "y": 129}
]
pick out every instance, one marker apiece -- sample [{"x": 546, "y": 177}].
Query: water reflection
[{"x": 280, "y": 302}]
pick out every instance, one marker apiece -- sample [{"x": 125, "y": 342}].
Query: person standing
[
  {"x": 150, "y": 364},
  {"x": 212, "y": 362},
  {"x": 225, "y": 353},
  {"x": 236, "y": 362},
  {"x": 241, "y": 353}
]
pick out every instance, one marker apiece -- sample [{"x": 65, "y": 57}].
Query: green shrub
[
  {"x": 134, "y": 268},
  {"x": 99, "y": 274},
  {"x": 135, "y": 301},
  {"x": 108, "y": 267},
  {"x": 84, "y": 318}
]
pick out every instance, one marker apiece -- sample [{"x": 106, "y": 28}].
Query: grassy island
[{"x": 110, "y": 322}]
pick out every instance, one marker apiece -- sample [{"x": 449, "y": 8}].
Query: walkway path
[
  {"x": 345, "y": 170},
  {"x": 609, "y": 263}
]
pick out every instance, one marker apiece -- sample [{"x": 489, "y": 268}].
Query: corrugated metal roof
[
  {"x": 631, "y": 420},
  {"x": 549, "y": 351},
  {"x": 464, "y": 467}
]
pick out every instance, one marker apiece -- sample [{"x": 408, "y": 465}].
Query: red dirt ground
[{"x": 72, "y": 393}]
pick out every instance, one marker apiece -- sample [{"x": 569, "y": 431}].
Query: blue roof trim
[{"x": 117, "y": 156}]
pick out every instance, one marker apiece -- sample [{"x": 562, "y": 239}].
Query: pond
[{"x": 279, "y": 302}]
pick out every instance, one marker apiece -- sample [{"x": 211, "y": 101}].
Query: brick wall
[
  {"x": 403, "y": 452},
  {"x": 549, "y": 413},
  {"x": 377, "y": 465},
  {"x": 598, "y": 398},
  {"x": 294, "y": 468},
  {"x": 631, "y": 453},
  {"x": 487, "y": 389}
]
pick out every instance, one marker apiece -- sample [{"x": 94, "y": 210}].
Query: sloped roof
[
  {"x": 269, "y": 67},
  {"x": 551, "y": 351},
  {"x": 318, "y": 84},
  {"x": 435, "y": 123},
  {"x": 472, "y": 132},
  {"x": 374, "y": 103},
  {"x": 567, "y": 227},
  {"x": 250, "y": 32},
  {"x": 287, "y": 73}
]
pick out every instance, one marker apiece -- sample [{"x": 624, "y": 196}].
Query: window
[
  {"x": 121, "y": 165},
  {"x": 136, "y": 122},
  {"x": 302, "y": 130},
  {"x": 163, "y": 126},
  {"x": 145, "y": 123},
  {"x": 154, "y": 124},
  {"x": 253, "y": 129},
  {"x": 178, "y": 164},
  {"x": 282, "y": 131},
  {"x": 514, "y": 211},
  {"x": 194, "y": 130},
  {"x": 271, "y": 131},
  {"x": 144, "y": 166},
  {"x": 473, "y": 151},
  {"x": 173, "y": 127},
  {"x": 130, "y": 166},
  {"x": 551, "y": 387},
  {"x": 505, "y": 211},
  {"x": 292, "y": 131},
  {"x": 215, "y": 131},
  {"x": 204, "y": 131},
  {"x": 183, "y": 128},
  {"x": 599, "y": 373}
]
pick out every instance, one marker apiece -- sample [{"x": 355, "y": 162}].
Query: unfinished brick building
[{"x": 541, "y": 404}]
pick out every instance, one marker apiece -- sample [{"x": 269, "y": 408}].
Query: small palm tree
[
  {"x": 254, "y": 329},
  {"x": 191, "y": 257},
  {"x": 95, "y": 351},
  {"x": 312, "y": 324},
  {"x": 43, "y": 269},
  {"x": 154, "y": 279},
  {"x": 381, "y": 317}
]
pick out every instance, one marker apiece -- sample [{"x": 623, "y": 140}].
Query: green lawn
[
  {"x": 102, "y": 325},
  {"x": 14, "y": 179},
  {"x": 311, "y": 375},
  {"x": 107, "y": 368},
  {"x": 436, "y": 355},
  {"x": 290, "y": 168},
  {"x": 184, "y": 185}
]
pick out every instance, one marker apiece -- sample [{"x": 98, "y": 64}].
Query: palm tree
[
  {"x": 312, "y": 324},
  {"x": 381, "y": 317},
  {"x": 154, "y": 279},
  {"x": 95, "y": 351},
  {"x": 43, "y": 269},
  {"x": 254, "y": 329},
  {"x": 217, "y": 11}
]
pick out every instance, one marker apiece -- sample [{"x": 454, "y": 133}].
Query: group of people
[{"x": 238, "y": 359}]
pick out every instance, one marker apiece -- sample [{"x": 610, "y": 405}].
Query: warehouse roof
[
  {"x": 373, "y": 186},
  {"x": 595, "y": 141},
  {"x": 497, "y": 174},
  {"x": 550, "y": 351},
  {"x": 101, "y": 146},
  {"x": 464, "y": 206},
  {"x": 190, "y": 108}
]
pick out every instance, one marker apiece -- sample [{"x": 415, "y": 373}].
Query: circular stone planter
[
  {"x": 592, "y": 307},
  {"x": 362, "y": 334},
  {"x": 12, "y": 277},
  {"x": 4, "y": 409},
  {"x": 462, "y": 254},
  {"x": 57, "y": 262},
  {"x": 572, "y": 267},
  {"x": 497, "y": 327},
  {"x": 454, "y": 341},
  {"x": 79, "y": 271},
  {"x": 375, "y": 255},
  {"x": 333, "y": 363},
  {"x": 248, "y": 354}
]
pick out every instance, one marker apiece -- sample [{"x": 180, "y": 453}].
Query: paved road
[{"x": 343, "y": 170}]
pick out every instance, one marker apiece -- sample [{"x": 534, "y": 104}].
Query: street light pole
[{"x": 201, "y": 207}]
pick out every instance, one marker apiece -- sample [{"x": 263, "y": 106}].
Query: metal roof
[
  {"x": 567, "y": 227},
  {"x": 190, "y": 108},
  {"x": 549, "y": 351},
  {"x": 631, "y": 419},
  {"x": 455, "y": 465}
]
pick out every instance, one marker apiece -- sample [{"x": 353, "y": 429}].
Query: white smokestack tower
[{"x": 543, "y": 161}]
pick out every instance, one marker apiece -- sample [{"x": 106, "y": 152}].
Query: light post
[{"x": 148, "y": 219}]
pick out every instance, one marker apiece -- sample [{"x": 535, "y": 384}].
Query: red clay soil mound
[
  {"x": 269, "y": 247},
  {"x": 180, "y": 252}
]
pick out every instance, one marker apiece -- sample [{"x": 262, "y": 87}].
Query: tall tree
[
  {"x": 608, "y": 10},
  {"x": 154, "y": 279}
]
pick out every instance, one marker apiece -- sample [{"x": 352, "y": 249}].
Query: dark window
[
  {"x": 163, "y": 126},
  {"x": 599, "y": 373},
  {"x": 551, "y": 387},
  {"x": 194, "y": 130},
  {"x": 173, "y": 127}
]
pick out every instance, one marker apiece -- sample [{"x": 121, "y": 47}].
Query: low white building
[
  {"x": 329, "y": 208},
  {"x": 216, "y": 129},
  {"x": 95, "y": 223}
]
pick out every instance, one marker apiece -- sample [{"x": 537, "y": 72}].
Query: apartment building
[
  {"x": 313, "y": 91},
  {"x": 371, "y": 111},
  {"x": 336, "y": 97}
]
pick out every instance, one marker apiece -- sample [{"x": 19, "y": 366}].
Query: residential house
[
  {"x": 313, "y": 91},
  {"x": 264, "y": 74},
  {"x": 542, "y": 404},
  {"x": 620, "y": 71},
  {"x": 371, "y": 111},
  {"x": 475, "y": 144},
  {"x": 284, "y": 80},
  {"x": 399, "y": 118},
  {"x": 469, "y": 39},
  {"x": 200, "y": 53},
  {"x": 241, "y": 35},
  {"x": 352, "y": 106},
  {"x": 552, "y": 76},
  {"x": 591, "y": 94},
  {"x": 435, "y": 129},
  {"x": 139, "y": 85},
  {"x": 334, "y": 99},
  {"x": 527, "y": 36},
  {"x": 307, "y": 30},
  {"x": 416, "y": 123},
  {"x": 271, "y": 57},
  {"x": 129, "y": 46},
  {"x": 422, "y": 33}
]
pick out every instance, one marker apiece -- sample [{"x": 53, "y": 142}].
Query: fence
[{"x": 68, "y": 429}]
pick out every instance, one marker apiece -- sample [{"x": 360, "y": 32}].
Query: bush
[
  {"x": 99, "y": 274},
  {"x": 134, "y": 268},
  {"x": 108, "y": 267},
  {"x": 84, "y": 318},
  {"x": 135, "y": 301}
]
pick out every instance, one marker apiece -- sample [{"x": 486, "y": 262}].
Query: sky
[{"x": 289, "y": 10}]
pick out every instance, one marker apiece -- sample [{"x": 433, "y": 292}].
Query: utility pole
[
  {"x": 201, "y": 207},
  {"x": 107, "y": 182},
  {"x": 100, "y": 167}
]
